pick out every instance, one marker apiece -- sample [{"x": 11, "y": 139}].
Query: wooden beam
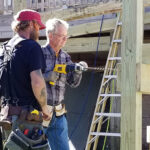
[
  {"x": 83, "y": 12},
  {"x": 92, "y": 27},
  {"x": 146, "y": 54},
  {"x": 86, "y": 11},
  {"x": 131, "y": 99},
  {"x": 143, "y": 82},
  {"x": 140, "y": 68},
  {"x": 146, "y": 18},
  {"x": 143, "y": 74},
  {"x": 76, "y": 45},
  {"x": 76, "y": 30}
]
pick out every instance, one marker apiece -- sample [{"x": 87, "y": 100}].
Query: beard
[{"x": 34, "y": 35}]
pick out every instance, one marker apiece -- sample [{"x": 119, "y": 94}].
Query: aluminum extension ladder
[{"x": 104, "y": 93}]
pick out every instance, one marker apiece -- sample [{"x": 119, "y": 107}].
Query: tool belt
[
  {"x": 24, "y": 114},
  {"x": 5, "y": 115},
  {"x": 31, "y": 140},
  {"x": 59, "y": 111},
  {"x": 28, "y": 133}
]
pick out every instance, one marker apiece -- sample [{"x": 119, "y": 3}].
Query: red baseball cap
[{"x": 29, "y": 15}]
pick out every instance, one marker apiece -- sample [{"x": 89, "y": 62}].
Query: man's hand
[
  {"x": 47, "y": 113},
  {"x": 81, "y": 66}
]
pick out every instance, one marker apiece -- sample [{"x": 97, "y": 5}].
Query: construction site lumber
[
  {"x": 131, "y": 98},
  {"x": 146, "y": 54},
  {"x": 143, "y": 74},
  {"x": 75, "y": 30},
  {"x": 87, "y": 11},
  {"x": 92, "y": 27},
  {"x": 86, "y": 44}
]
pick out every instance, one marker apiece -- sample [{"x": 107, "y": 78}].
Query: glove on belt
[{"x": 60, "y": 110}]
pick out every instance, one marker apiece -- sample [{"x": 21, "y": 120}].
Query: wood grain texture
[{"x": 131, "y": 106}]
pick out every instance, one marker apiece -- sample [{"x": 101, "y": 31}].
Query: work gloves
[{"x": 81, "y": 66}]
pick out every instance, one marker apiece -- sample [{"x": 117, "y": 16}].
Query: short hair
[{"x": 52, "y": 25}]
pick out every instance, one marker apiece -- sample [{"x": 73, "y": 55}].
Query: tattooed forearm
[
  {"x": 43, "y": 96},
  {"x": 39, "y": 87}
]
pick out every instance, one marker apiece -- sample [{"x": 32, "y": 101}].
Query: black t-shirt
[{"x": 27, "y": 57}]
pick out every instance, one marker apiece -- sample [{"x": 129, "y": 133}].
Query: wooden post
[{"x": 131, "y": 99}]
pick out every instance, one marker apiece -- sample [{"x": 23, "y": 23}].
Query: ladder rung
[
  {"x": 111, "y": 95},
  {"x": 96, "y": 134},
  {"x": 110, "y": 76},
  {"x": 114, "y": 58},
  {"x": 109, "y": 114},
  {"x": 102, "y": 100},
  {"x": 120, "y": 23},
  {"x": 117, "y": 41},
  {"x": 105, "y": 134},
  {"x": 108, "y": 79}
]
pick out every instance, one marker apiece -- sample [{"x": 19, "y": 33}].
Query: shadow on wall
[{"x": 75, "y": 102}]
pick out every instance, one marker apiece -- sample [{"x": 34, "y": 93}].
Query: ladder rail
[
  {"x": 104, "y": 104},
  {"x": 114, "y": 46}
]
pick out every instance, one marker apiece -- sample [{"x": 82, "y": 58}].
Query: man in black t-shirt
[{"x": 26, "y": 84}]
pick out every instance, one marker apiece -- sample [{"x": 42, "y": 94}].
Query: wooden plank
[
  {"x": 146, "y": 18},
  {"x": 78, "y": 12},
  {"x": 76, "y": 30},
  {"x": 131, "y": 51},
  {"x": 92, "y": 27},
  {"x": 76, "y": 45},
  {"x": 89, "y": 11},
  {"x": 143, "y": 74},
  {"x": 146, "y": 54},
  {"x": 145, "y": 60}
]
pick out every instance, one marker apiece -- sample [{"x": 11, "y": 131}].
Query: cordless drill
[{"x": 63, "y": 68}]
